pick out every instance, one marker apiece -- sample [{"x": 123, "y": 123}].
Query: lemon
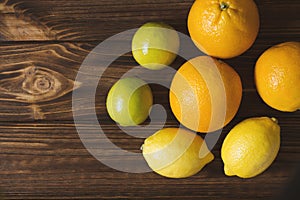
[
  {"x": 129, "y": 101},
  {"x": 155, "y": 45},
  {"x": 251, "y": 147},
  {"x": 176, "y": 153}
]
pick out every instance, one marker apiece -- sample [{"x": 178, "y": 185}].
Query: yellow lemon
[
  {"x": 251, "y": 147},
  {"x": 176, "y": 153}
]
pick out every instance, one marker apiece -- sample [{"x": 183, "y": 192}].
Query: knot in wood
[
  {"x": 35, "y": 85},
  {"x": 42, "y": 84},
  {"x": 40, "y": 81}
]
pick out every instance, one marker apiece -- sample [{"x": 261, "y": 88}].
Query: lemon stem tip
[{"x": 274, "y": 120}]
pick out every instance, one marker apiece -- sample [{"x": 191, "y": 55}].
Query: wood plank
[
  {"x": 42, "y": 45},
  {"x": 48, "y": 161},
  {"x": 97, "y": 20},
  {"x": 35, "y": 73},
  {"x": 59, "y": 63}
]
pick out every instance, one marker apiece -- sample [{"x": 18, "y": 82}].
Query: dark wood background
[{"x": 41, "y": 155}]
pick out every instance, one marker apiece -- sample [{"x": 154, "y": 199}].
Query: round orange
[
  {"x": 277, "y": 76},
  {"x": 223, "y": 29},
  {"x": 205, "y": 94}
]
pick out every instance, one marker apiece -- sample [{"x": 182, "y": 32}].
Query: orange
[
  {"x": 225, "y": 28},
  {"x": 205, "y": 94},
  {"x": 277, "y": 76}
]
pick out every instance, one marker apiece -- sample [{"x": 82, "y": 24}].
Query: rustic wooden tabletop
[{"x": 42, "y": 46}]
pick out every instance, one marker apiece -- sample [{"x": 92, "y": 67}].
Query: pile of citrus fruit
[{"x": 206, "y": 93}]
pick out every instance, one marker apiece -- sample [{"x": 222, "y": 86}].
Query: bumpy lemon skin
[
  {"x": 251, "y": 147},
  {"x": 176, "y": 153}
]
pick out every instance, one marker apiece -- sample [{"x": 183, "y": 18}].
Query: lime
[
  {"x": 129, "y": 101},
  {"x": 155, "y": 45}
]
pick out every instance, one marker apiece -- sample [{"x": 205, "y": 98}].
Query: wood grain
[
  {"x": 61, "y": 62},
  {"x": 42, "y": 46},
  {"x": 98, "y": 20},
  {"x": 49, "y": 159}
]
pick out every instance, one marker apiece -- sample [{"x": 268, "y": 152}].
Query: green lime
[
  {"x": 129, "y": 101},
  {"x": 155, "y": 45}
]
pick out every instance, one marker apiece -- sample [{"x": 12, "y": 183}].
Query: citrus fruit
[
  {"x": 223, "y": 29},
  {"x": 155, "y": 45},
  {"x": 176, "y": 153},
  {"x": 205, "y": 94},
  {"x": 277, "y": 76},
  {"x": 251, "y": 147},
  {"x": 129, "y": 101}
]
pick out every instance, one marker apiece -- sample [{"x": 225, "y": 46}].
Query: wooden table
[{"x": 41, "y": 155}]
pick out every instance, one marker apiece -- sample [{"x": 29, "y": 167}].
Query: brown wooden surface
[{"x": 41, "y": 155}]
